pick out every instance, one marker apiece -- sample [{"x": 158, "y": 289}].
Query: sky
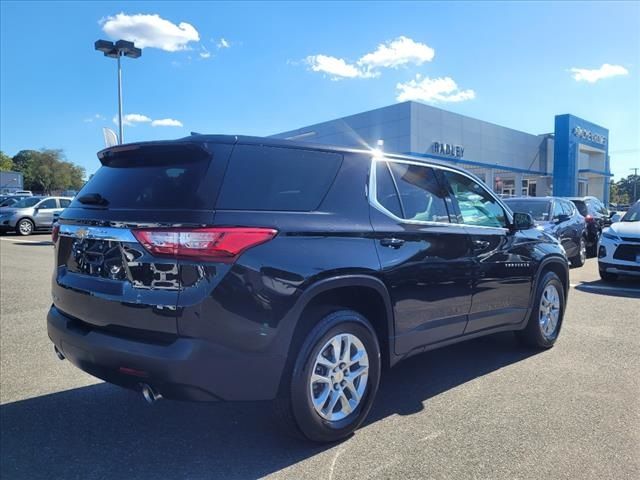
[{"x": 267, "y": 67}]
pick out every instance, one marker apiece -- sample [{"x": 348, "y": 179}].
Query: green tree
[
  {"x": 6, "y": 163},
  {"x": 623, "y": 191},
  {"x": 48, "y": 170}
]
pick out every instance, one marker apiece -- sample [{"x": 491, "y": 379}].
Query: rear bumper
[{"x": 185, "y": 369}]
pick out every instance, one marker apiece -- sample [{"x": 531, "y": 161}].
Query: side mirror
[{"x": 522, "y": 221}]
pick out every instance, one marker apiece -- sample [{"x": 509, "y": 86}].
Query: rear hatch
[{"x": 116, "y": 265}]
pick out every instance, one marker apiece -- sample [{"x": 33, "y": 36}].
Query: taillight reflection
[
  {"x": 55, "y": 232},
  {"x": 215, "y": 244}
]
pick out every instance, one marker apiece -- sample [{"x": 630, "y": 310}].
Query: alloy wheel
[
  {"x": 25, "y": 227},
  {"x": 549, "y": 311},
  {"x": 339, "y": 377}
]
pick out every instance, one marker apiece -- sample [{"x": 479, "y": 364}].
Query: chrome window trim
[
  {"x": 97, "y": 233},
  {"x": 373, "y": 199}
]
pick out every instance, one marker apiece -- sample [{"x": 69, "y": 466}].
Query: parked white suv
[{"x": 619, "y": 250}]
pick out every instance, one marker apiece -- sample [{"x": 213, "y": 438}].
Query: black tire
[
  {"x": 25, "y": 227},
  {"x": 581, "y": 257},
  {"x": 295, "y": 409},
  {"x": 592, "y": 251},
  {"x": 532, "y": 335},
  {"x": 608, "y": 277}
]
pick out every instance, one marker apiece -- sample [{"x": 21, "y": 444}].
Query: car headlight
[{"x": 611, "y": 236}]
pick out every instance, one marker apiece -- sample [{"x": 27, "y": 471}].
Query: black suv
[
  {"x": 240, "y": 268},
  {"x": 559, "y": 218},
  {"x": 597, "y": 217}
]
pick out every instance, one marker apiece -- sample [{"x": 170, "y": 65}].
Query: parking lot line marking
[
  {"x": 9, "y": 239},
  {"x": 605, "y": 287}
]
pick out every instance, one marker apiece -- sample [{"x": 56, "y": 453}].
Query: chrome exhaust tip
[
  {"x": 150, "y": 395},
  {"x": 59, "y": 354}
]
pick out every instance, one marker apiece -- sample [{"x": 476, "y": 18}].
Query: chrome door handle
[
  {"x": 481, "y": 244},
  {"x": 392, "y": 242}
]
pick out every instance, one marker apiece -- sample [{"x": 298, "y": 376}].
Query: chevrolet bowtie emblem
[{"x": 82, "y": 233}]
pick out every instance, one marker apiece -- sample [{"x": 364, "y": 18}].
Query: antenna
[{"x": 110, "y": 137}]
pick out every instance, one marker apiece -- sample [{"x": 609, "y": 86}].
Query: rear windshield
[
  {"x": 582, "y": 207},
  {"x": 274, "y": 178},
  {"x": 537, "y": 209},
  {"x": 149, "y": 178}
]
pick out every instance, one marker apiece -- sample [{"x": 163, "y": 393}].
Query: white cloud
[
  {"x": 395, "y": 53},
  {"x": 130, "y": 119},
  {"x": 222, "y": 43},
  {"x": 166, "y": 122},
  {"x": 593, "y": 75},
  {"x": 398, "y": 52},
  {"x": 204, "y": 52},
  {"x": 94, "y": 118},
  {"x": 150, "y": 31},
  {"x": 432, "y": 90},
  {"x": 337, "y": 68}
]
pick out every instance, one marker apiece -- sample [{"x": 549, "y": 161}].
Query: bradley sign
[{"x": 448, "y": 149}]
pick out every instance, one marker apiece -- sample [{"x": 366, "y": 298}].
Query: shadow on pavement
[{"x": 102, "y": 431}]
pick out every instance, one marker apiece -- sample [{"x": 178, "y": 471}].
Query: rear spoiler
[{"x": 154, "y": 153}]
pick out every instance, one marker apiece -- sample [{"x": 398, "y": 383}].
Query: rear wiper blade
[{"x": 93, "y": 199}]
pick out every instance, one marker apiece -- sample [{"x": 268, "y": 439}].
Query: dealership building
[{"x": 571, "y": 161}]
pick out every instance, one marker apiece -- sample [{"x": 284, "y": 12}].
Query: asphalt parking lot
[{"x": 486, "y": 409}]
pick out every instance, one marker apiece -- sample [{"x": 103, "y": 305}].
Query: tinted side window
[
  {"x": 477, "y": 206},
  {"x": 64, "y": 203},
  {"x": 49, "y": 203},
  {"x": 421, "y": 195},
  {"x": 557, "y": 209},
  {"x": 386, "y": 193},
  {"x": 275, "y": 178},
  {"x": 567, "y": 208},
  {"x": 582, "y": 208}
]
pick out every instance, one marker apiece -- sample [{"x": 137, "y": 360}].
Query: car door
[
  {"x": 575, "y": 226},
  {"x": 425, "y": 259},
  {"x": 502, "y": 264},
  {"x": 562, "y": 228},
  {"x": 43, "y": 212}
]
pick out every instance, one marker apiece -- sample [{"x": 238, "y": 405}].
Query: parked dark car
[
  {"x": 240, "y": 268},
  {"x": 557, "y": 217},
  {"x": 597, "y": 217}
]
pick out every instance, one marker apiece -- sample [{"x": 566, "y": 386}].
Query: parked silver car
[{"x": 31, "y": 214}]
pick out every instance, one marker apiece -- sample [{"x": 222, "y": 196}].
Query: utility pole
[{"x": 635, "y": 183}]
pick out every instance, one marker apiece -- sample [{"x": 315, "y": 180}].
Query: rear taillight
[
  {"x": 589, "y": 218},
  {"x": 55, "y": 231},
  {"x": 215, "y": 244}
]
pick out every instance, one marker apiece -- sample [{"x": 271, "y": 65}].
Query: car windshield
[
  {"x": 539, "y": 210},
  {"x": 26, "y": 202},
  {"x": 8, "y": 201},
  {"x": 633, "y": 214}
]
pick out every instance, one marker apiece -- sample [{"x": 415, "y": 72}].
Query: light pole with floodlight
[{"x": 117, "y": 50}]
